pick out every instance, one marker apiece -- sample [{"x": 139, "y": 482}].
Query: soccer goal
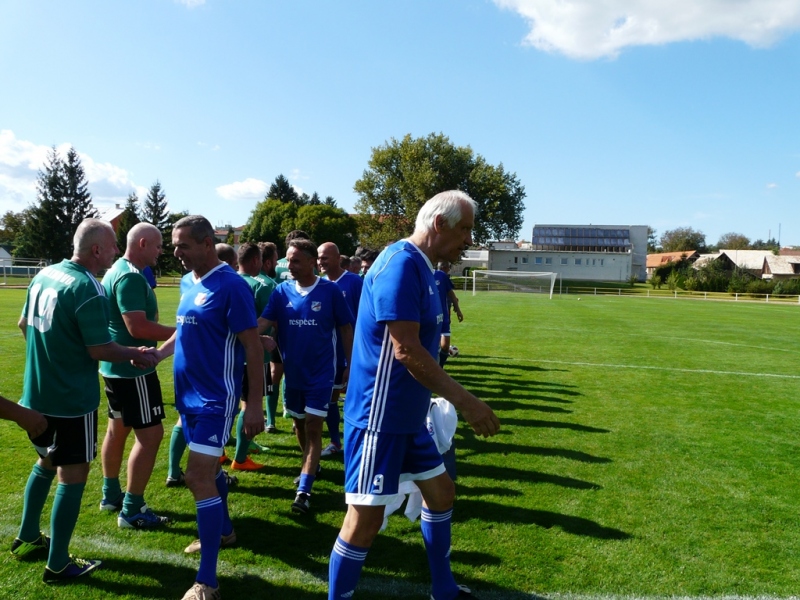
[{"x": 514, "y": 281}]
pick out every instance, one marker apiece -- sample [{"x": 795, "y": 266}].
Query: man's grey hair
[
  {"x": 200, "y": 228},
  {"x": 450, "y": 205},
  {"x": 90, "y": 232},
  {"x": 141, "y": 230}
]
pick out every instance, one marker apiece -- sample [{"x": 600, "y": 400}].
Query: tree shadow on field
[
  {"x": 496, "y": 362},
  {"x": 467, "y": 446},
  {"x": 470, "y": 508},
  {"x": 508, "y": 421},
  {"x": 523, "y": 476}
]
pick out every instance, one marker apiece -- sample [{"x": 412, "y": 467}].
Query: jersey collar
[{"x": 425, "y": 256}]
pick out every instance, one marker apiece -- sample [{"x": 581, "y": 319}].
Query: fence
[{"x": 20, "y": 271}]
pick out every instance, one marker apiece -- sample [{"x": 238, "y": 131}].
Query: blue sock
[
  {"x": 306, "y": 481},
  {"x": 332, "y": 420},
  {"x": 222, "y": 488},
  {"x": 436, "y": 533},
  {"x": 209, "y": 526},
  {"x": 344, "y": 569},
  {"x": 36, "y": 492}
]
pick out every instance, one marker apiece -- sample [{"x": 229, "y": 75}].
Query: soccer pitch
[{"x": 649, "y": 448}]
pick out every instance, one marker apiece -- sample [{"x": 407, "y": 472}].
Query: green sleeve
[
  {"x": 131, "y": 293},
  {"x": 92, "y": 318}
]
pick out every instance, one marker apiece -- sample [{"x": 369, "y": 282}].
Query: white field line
[{"x": 649, "y": 368}]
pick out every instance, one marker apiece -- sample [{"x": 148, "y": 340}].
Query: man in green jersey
[
  {"x": 65, "y": 324},
  {"x": 250, "y": 263},
  {"x": 134, "y": 395},
  {"x": 269, "y": 259}
]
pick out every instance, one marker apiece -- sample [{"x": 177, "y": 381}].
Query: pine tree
[
  {"x": 155, "y": 207},
  {"x": 77, "y": 199},
  {"x": 282, "y": 190},
  {"x": 128, "y": 219}
]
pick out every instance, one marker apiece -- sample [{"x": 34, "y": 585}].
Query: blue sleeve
[
  {"x": 241, "y": 308},
  {"x": 397, "y": 291},
  {"x": 271, "y": 309},
  {"x": 342, "y": 314}
]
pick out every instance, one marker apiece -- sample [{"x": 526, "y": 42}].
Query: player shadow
[
  {"x": 523, "y": 476},
  {"x": 509, "y": 421},
  {"x": 119, "y": 577},
  {"x": 496, "y": 362},
  {"x": 467, "y": 446},
  {"x": 506, "y": 404},
  {"x": 470, "y": 508}
]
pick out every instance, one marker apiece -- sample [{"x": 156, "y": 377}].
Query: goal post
[{"x": 536, "y": 282}]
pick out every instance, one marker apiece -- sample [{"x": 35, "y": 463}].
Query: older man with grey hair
[
  {"x": 65, "y": 324},
  {"x": 394, "y": 370}
]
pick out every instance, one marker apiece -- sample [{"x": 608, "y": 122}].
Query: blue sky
[{"x": 629, "y": 112}]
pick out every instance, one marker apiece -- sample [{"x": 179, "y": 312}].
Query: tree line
[
  {"x": 400, "y": 176},
  {"x": 687, "y": 238}
]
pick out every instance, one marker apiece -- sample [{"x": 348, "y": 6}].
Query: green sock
[
  {"x": 35, "y": 496},
  {"x": 177, "y": 444},
  {"x": 272, "y": 404},
  {"x": 111, "y": 489},
  {"x": 242, "y": 443},
  {"x": 132, "y": 505},
  {"x": 66, "y": 508}
]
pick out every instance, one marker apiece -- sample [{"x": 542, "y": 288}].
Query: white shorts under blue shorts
[
  {"x": 206, "y": 434},
  {"x": 299, "y": 402},
  {"x": 376, "y": 463}
]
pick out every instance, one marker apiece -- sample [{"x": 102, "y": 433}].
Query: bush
[
  {"x": 691, "y": 283},
  {"x": 655, "y": 281},
  {"x": 759, "y": 287},
  {"x": 789, "y": 287},
  {"x": 674, "y": 281}
]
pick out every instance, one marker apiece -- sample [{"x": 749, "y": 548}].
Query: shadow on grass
[
  {"x": 506, "y": 404},
  {"x": 524, "y": 476},
  {"x": 469, "y": 508},
  {"x": 551, "y": 424},
  {"x": 474, "y": 446},
  {"x": 493, "y": 363}
]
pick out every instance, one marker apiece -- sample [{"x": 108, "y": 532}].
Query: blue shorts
[
  {"x": 206, "y": 434},
  {"x": 446, "y": 328},
  {"x": 376, "y": 463},
  {"x": 299, "y": 402}
]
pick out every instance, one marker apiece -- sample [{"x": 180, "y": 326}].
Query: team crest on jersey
[
  {"x": 316, "y": 306},
  {"x": 200, "y": 299}
]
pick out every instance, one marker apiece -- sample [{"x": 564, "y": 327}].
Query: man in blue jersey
[
  {"x": 216, "y": 333},
  {"x": 448, "y": 297},
  {"x": 308, "y": 313},
  {"x": 330, "y": 266},
  {"x": 394, "y": 369}
]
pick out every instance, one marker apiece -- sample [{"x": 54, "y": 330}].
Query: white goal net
[{"x": 514, "y": 281}]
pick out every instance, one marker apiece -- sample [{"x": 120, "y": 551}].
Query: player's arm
[
  {"x": 254, "y": 355},
  {"x": 267, "y": 343},
  {"x": 454, "y": 301},
  {"x": 167, "y": 349},
  {"x": 140, "y": 328},
  {"x": 23, "y": 325},
  {"x": 409, "y": 351},
  {"x": 30, "y": 420},
  {"x": 346, "y": 331},
  {"x": 113, "y": 352}
]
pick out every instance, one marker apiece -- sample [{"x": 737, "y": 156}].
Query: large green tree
[
  {"x": 127, "y": 220},
  {"x": 733, "y": 241},
  {"x": 270, "y": 221},
  {"x": 403, "y": 174},
  {"x": 62, "y": 202},
  {"x": 683, "y": 238},
  {"x": 282, "y": 190},
  {"x": 328, "y": 224},
  {"x": 11, "y": 225},
  {"x": 154, "y": 210}
]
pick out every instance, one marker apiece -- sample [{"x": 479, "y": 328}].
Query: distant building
[
  {"x": 660, "y": 259},
  {"x": 112, "y": 215},
  {"x": 221, "y": 233},
  {"x": 762, "y": 264},
  {"x": 577, "y": 252}
]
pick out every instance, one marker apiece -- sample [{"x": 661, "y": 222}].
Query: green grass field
[{"x": 649, "y": 447}]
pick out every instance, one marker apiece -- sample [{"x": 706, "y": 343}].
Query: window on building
[
  {"x": 577, "y": 261},
  {"x": 524, "y": 260},
  {"x": 549, "y": 261},
  {"x": 516, "y": 259},
  {"x": 564, "y": 261},
  {"x": 538, "y": 260}
]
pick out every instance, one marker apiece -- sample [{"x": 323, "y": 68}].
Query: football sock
[
  {"x": 306, "y": 481},
  {"x": 132, "y": 504},
  {"x": 272, "y": 403},
  {"x": 177, "y": 445},
  {"x": 436, "y": 533},
  {"x": 222, "y": 488},
  {"x": 332, "y": 420},
  {"x": 344, "y": 569},
  {"x": 209, "y": 526},
  {"x": 111, "y": 489},
  {"x": 242, "y": 443},
  {"x": 64, "y": 516},
  {"x": 36, "y": 491},
  {"x": 443, "y": 356}
]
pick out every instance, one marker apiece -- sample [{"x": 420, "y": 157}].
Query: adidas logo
[
  {"x": 348, "y": 594},
  {"x": 214, "y": 439},
  {"x": 289, "y": 305}
]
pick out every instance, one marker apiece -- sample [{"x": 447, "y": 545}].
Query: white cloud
[
  {"x": 249, "y": 189},
  {"x": 797, "y": 174},
  {"x": 589, "y": 29},
  {"x": 213, "y": 148},
  {"x": 772, "y": 186},
  {"x": 191, "y": 3},
  {"x": 20, "y": 161}
]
